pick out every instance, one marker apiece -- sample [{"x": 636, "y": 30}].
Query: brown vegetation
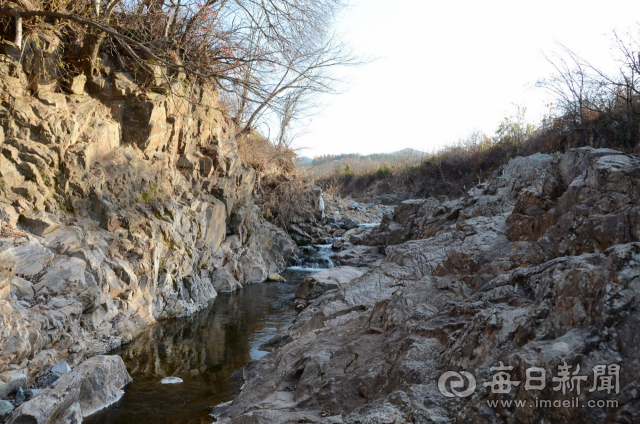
[
  {"x": 266, "y": 58},
  {"x": 288, "y": 199},
  {"x": 287, "y": 196},
  {"x": 593, "y": 109},
  {"x": 456, "y": 168},
  {"x": 266, "y": 158}
]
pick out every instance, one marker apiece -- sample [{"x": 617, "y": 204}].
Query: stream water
[
  {"x": 207, "y": 351},
  {"x": 315, "y": 258}
]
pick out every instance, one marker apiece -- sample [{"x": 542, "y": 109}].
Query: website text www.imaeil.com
[{"x": 567, "y": 380}]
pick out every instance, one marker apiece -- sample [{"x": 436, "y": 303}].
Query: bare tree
[
  {"x": 258, "y": 52},
  {"x": 597, "y": 106},
  {"x": 290, "y": 108}
]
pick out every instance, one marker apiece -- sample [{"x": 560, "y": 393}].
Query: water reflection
[{"x": 207, "y": 350}]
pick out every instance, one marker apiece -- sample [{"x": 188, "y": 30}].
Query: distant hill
[
  {"x": 408, "y": 150},
  {"x": 304, "y": 159},
  {"x": 376, "y": 157},
  {"x": 323, "y": 165}
]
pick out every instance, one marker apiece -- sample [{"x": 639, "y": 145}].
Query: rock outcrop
[
  {"x": 321, "y": 282},
  {"x": 90, "y": 387},
  {"x": 119, "y": 207},
  {"x": 538, "y": 267}
]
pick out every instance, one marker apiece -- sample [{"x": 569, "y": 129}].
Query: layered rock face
[
  {"x": 539, "y": 267},
  {"x": 119, "y": 207}
]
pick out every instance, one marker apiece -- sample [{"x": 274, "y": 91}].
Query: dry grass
[
  {"x": 325, "y": 166},
  {"x": 471, "y": 161},
  {"x": 287, "y": 196},
  {"x": 260, "y": 154},
  {"x": 287, "y": 199}
]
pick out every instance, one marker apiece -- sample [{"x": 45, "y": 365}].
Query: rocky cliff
[
  {"x": 536, "y": 268},
  {"x": 120, "y": 206}
]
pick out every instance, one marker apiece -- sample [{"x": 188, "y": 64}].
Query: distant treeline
[{"x": 376, "y": 157}]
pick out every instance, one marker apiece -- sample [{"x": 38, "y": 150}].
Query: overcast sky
[{"x": 446, "y": 68}]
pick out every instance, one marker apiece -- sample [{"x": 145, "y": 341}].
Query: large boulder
[
  {"x": 269, "y": 248},
  {"x": 224, "y": 282},
  {"x": 319, "y": 283},
  {"x": 39, "y": 223},
  {"x": 91, "y": 386}
]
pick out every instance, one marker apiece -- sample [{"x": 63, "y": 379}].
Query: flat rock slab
[
  {"x": 31, "y": 259},
  {"x": 341, "y": 275},
  {"x": 171, "y": 380},
  {"x": 63, "y": 273},
  {"x": 39, "y": 223},
  {"x": 319, "y": 283},
  {"x": 360, "y": 256}
]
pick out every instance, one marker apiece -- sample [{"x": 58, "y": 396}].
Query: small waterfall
[
  {"x": 370, "y": 224},
  {"x": 321, "y": 206},
  {"x": 319, "y": 256}
]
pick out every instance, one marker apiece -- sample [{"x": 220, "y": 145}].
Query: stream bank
[
  {"x": 207, "y": 351},
  {"x": 537, "y": 268}
]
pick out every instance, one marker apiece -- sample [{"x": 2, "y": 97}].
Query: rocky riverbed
[
  {"x": 121, "y": 207},
  {"x": 206, "y": 352},
  {"x": 177, "y": 369},
  {"x": 454, "y": 309},
  {"x": 527, "y": 283}
]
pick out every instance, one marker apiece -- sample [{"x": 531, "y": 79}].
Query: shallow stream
[{"x": 207, "y": 351}]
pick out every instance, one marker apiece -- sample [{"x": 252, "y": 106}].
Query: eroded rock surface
[
  {"x": 91, "y": 386},
  {"x": 537, "y": 267},
  {"x": 118, "y": 208},
  {"x": 319, "y": 283}
]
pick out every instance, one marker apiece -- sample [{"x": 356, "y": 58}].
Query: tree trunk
[
  {"x": 90, "y": 50},
  {"x": 18, "y": 40},
  {"x": 170, "y": 18}
]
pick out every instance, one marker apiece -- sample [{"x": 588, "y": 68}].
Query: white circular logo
[{"x": 456, "y": 382}]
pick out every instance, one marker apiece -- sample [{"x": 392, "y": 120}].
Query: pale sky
[{"x": 446, "y": 68}]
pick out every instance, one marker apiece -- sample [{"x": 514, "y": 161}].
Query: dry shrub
[
  {"x": 260, "y": 154},
  {"x": 288, "y": 199},
  {"x": 333, "y": 187},
  {"x": 456, "y": 168},
  {"x": 286, "y": 195},
  {"x": 451, "y": 171}
]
